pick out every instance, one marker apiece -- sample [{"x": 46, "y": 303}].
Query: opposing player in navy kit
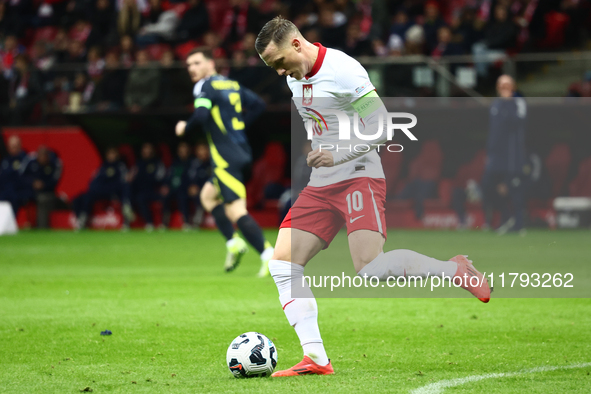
[{"x": 225, "y": 109}]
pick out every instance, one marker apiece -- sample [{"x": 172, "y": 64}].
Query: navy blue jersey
[
  {"x": 225, "y": 109},
  {"x": 109, "y": 174},
  {"x": 11, "y": 171},
  {"x": 150, "y": 174},
  {"x": 49, "y": 173},
  {"x": 199, "y": 172},
  {"x": 178, "y": 174},
  {"x": 505, "y": 147}
]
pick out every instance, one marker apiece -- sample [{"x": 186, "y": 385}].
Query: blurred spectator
[
  {"x": 61, "y": 43},
  {"x": 499, "y": 35},
  {"x": 312, "y": 35},
  {"x": 82, "y": 91},
  {"x": 199, "y": 173},
  {"x": 503, "y": 183},
  {"x": 250, "y": 53},
  {"x": 415, "y": 40},
  {"x": 397, "y": 33},
  {"x": 213, "y": 40},
  {"x": 395, "y": 45},
  {"x": 177, "y": 185},
  {"x": 103, "y": 24},
  {"x": 26, "y": 90},
  {"x": 126, "y": 47},
  {"x": 464, "y": 29},
  {"x": 73, "y": 11},
  {"x": 241, "y": 72},
  {"x": 142, "y": 5},
  {"x": 379, "y": 48},
  {"x": 355, "y": 43},
  {"x": 108, "y": 94},
  {"x": 129, "y": 18},
  {"x": 108, "y": 183},
  {"x": 401, "y": 24},
  {"x": 152, "y": 14},
  {"x": 9, "y": 51},
  {"x": 143, "y": 83},
  {"x": 332, "y": 27},
  {"x": 41, "y": 57},
  {"x": 194, "y": 22},
  {"x": 239, "y": 19},
  {"x": 176, "y": 89},
  {"x": 161, "y": 30},
  {"x": 42, "y": 171},
  {"x": 501, "y": 32},
  {"x": 11, "y": 182},
  {"x": 80, "y": 31},
  {"x": 145, "y": 182},
  {"x": 431, "y": 25},
  {"x": 445, "y": 46},
  {"x": 96, "y": 64},
  {"x": 76, "y": 53}
]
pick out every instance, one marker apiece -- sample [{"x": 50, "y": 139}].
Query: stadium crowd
[{"x": 111, "y": 55}]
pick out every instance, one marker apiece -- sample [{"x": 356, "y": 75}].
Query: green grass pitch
[{"x": 173, "y": 312}]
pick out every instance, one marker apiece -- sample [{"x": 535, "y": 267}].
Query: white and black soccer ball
[{"x": 251, "y": 355}]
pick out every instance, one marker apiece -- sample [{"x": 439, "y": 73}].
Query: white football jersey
[{"x": 335, "y": 82}]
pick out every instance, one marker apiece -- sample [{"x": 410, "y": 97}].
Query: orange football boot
[
  {"x": 306, "y": 367},
  {"x": 482, "y": 290}
]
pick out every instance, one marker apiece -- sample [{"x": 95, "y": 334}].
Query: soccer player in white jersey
[{"x": 321, "y": 209}]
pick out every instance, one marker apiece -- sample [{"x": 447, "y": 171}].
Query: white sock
[
  {"x": 267, "y": 254},
  {"x": 404, "y": 262},
  {"x": 301, "y": 312}
]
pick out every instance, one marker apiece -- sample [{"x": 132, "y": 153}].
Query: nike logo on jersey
[{"x": 358, "y": 217}]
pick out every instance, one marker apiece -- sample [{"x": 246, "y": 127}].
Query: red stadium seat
[
  {"x": 581, "y": 185},
  {"x": 471, "y": 170},
  {"x": 558, "y": 162},
  {"x": 427, "y": 165},
  {"x": 182, "y": 50},
  {"x": 270, "y": 168}
]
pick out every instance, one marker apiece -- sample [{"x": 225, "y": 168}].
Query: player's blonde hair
[{"x": 276, "y": 30}]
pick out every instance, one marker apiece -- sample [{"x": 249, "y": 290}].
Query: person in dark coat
[
  {"x": 41, "y": 173},
  {"x": 503, "y": 183}
]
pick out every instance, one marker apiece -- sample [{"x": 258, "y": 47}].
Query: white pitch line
[{"x": 439, "y": 387}]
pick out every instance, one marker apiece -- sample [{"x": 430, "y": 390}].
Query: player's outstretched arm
[{"x": 199, "y": 116}]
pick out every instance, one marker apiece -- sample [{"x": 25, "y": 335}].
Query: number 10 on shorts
[{"x": 355, "y": 201}]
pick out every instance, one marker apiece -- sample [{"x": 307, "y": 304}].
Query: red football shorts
[{"x": 357, "y": 203}]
